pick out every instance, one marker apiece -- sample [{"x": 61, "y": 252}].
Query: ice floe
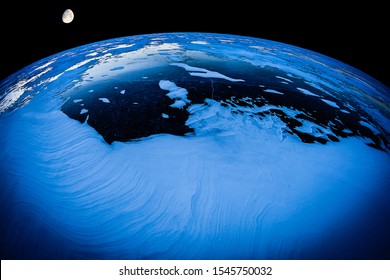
[
  {"x": 307, "y": 92},
  {"x": 201, "y": 72},
  {"x": 273, "y": 91},
  {"x": 105, "y": 100},
  {"x": 177, "y": 93},
  {"x": 331, "y": 103}
]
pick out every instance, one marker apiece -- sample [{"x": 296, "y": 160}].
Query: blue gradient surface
[{"x": 193, "y": 146}]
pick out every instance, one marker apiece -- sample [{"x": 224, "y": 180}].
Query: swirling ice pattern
[
  {"x": 171, "y": 197},
  {"x": 236, "y": 187}
]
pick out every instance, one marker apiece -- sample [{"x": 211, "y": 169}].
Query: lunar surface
[{"x": 68, "y": 16}]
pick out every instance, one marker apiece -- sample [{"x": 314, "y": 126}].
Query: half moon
[{"x": 67, "y": 16}]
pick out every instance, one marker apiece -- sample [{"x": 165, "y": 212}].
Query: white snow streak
[
  {"x": 307, "y": 92},
  {"x": 105, "y": 100},
  {"x": 201, "y": 72},
  {"x": 285, "y": 79},
  {"x": 273, "y": 91},
  {"x": 331, "y": 103}
]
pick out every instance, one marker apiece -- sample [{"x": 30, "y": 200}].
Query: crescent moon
[{"x": 68, "y": 16}]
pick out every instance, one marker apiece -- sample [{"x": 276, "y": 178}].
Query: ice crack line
[{"x": 212, "y": 89}]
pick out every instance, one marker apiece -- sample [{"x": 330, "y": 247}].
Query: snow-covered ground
[
  {"x": 234, "y": 189},
  {"x": 241, "y": 186}
]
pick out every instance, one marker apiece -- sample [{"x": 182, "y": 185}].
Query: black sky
[{"x": 357, "y": 35}]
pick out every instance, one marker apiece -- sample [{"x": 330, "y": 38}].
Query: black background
[{"x": 356, "y": 34}]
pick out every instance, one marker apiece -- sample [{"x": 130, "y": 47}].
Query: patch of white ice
[
  {"x": 199, "y": 42},
  {"x": 201, "y": 72},
  {"x": 349, "y": 106},
  {"x": 92, "y": 54},
  {"x": 331, "y": 103},
  {"x": 177, "y": 93},
  {"x": 273, "y": 91},
  {"x": 370, "y": 126},
  {"x": 314, "y": 129},
  {"x": 307, "y": 92},
  {"x": 121, "y": 46},
  {"x": 285, "y": 79},
  {"x": 77, "y": 65},
  {"x": 105, "y": 100},
  {"x": 17, "y": 90}
]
